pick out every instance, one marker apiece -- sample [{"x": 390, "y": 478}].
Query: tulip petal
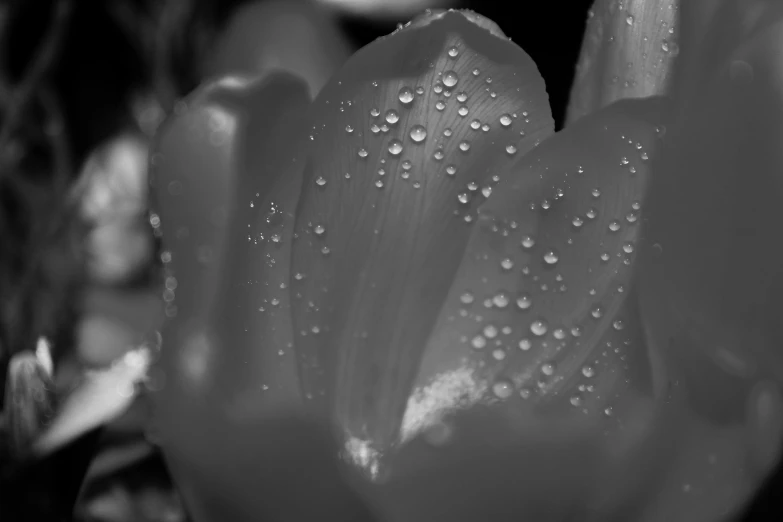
[
  {"x": 710, "y": 275},
  {"x": 544, "y": 275},
  {"x": 627, "y": 52},
  {"x": 226, "y": 183},
  {"x": 378, "y": 239}
]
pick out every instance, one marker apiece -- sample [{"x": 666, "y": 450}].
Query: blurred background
[{"x": 83, "y": 86}]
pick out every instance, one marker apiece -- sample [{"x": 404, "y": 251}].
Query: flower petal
[
  {"x": 710, "y": 273},
  {"x": 226, "y": 188},
  {"x": 544, "y": 275},
  {"x": 411, "y": 121},
  {"x": 627, "y": 52}
]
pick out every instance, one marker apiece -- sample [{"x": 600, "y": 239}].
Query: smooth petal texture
[
  {"x": 535, "y": 308},
  {"x": 410, "y": 122},
  {"x": 710, "y": 272},
  {"x": 281, "y": 35},
  {"x": 627, "y": 52},
  {"x": 225, "y": 187}
]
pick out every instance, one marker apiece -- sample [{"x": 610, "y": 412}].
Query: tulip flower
[{"x": 410, "y": 299}]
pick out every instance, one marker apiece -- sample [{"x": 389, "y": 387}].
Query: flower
[{"x": 416, "y": 261}]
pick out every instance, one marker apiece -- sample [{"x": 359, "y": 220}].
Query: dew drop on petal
[
  {"x": 577, "y": 222},
  {"x": 392, "y": 116},
  {"x": 320, "y": 181},
  {"x": 453, "y": 52},
  {"x": 528, "y": 242},
  {"x": 507, "y": 264},
  {"x": 539, "y": 327},
  {"x": 551, "y": 257},
  {"x": 614, "y": 226},
  {"x": 511, "y": 149},
  {"x": 418, "y": 133},
  {"x": 500, "y": 300},
  {"x": 466, "y": 298},
  {"x": 502, "y": 389},
  {"x": 618, "y": 324},
  {"x": 447, "y": 132},
  {"x": 463, "y": 110},
  {"x": 406, "y": 164},
  {"x": 362, "y": 153},
  {"x": 464, "y": 146},
  {"x": 548, "y": 369},
  {"x": 462, "y": 97},
  {"x": 375, "y": 112},
  {"x": 490, "y": 331},
  {"x": 588, "y": 371},
  {"x": 505, "y": 120},
  {"x": 405, "y": 95},
  {"x": 319, "y": 230},
  {"x": 395, "y": 147},
  {"x": 524, "y": 301},
  {"x": 440, "y": 105},
  {"x": 525, "y": 345},
  {"x": 348, "y": 129},
  {"x": 379, "y": 184},
  {"x": 450, "y": 78},
  {"x": 478, "y": 342},
  {"x": 475, "y": 125},
  {"x": 451, "y": 170}
]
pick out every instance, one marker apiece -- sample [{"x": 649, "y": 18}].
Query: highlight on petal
[
  {"x": 710, "y": 273},
  {"x": 296, "y": 36},
  {"x": 535, "y": 310},
  {"x": 406, "y": 141},
  {"x": 225, "y": 183},
  {"x": 627, "y": 52}
]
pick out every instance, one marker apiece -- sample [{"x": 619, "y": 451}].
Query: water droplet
[
  {"x": 548, "y": 369},
  {"x": 485, "y": 127},
  {"x": 507, "y": 264},
  {"x": 319, "y": 230},
  {"x": 597, "y": 312},
  {"x": 577, "y": 221},
  {"x": 440, "y": 105},
  {"x": 511, "y": 149},
  {"x": 453, "y": 52},
  {"x": 375, "y": 129},
  {"x": 576, "y": 400},
  {"x": 525, "y": 345},
  {"x": 320, "y": 181},
  {"x": 559, "y": 334},
  {"x": 405, "y": 95},
  {"x": 539, "y": 327},
  {"x": 418, "y": 133},
  {"x": 486, "y": 191},
  {"x": 379, "y": 184},
  {"x": 447, "y": 132},
  {"x": 551, "y": 257},
  {"x": 502, "y": 389},
  {"x": 498, "y": 354},
  {"x": 596, "y": 193},
  {"x": 528, "y": 242},
  {"x": 618, "y": 324},
  {"x": 524, "y": 301},
  {"x": 476, "y": 72},
  {"x": 588, "y": 371},
  {"x": 392, "y": 116},
  {"x": 576, "y": 331},
  {"x": 463, "y": 197},
  {"x": 628, "y": 248},
  {"x": 665, "y": 46},
  {"x": 395, "y": 147},
  {"x": 362, "y": 153},
  {"x": 466, "y": 298},
  {"x": 614, "y": 226},
  {"x": 490, "y": 331},
  {"x": 348, "y": 129},
  {"x": 464, "y": 146},
  {"x": 450, "y": 78},
  {"x": 505, "y": 120},
  {"x": 500, "y": 300},
  {"x": 438, "y": 87},
  {"x": 462, "y": 97},
  {"x": 451, "y": 170},
  {"x": 478, "y": 342},
  {"x": 375, "y": 112},
  {"x": 591, "y": 213}
]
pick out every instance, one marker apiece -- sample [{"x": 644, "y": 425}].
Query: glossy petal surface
[
  {"x": 413, "y": 124},
  {"x": 628, "y": 52}
]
